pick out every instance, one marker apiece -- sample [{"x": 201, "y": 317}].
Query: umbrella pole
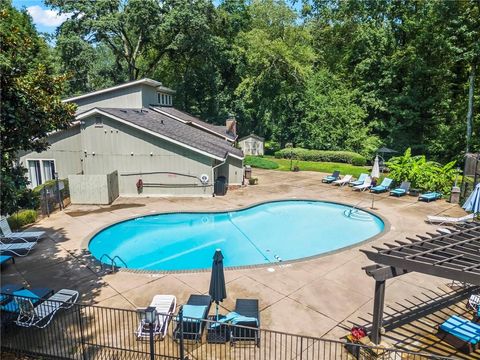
[{"x": 216, "y": 311}]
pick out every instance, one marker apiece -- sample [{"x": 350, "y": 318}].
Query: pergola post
[{"x": 378, "y": 304}]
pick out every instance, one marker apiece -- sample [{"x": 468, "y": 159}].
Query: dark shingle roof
[
  {"x": 176, "y": 130},
  {"x": 221, "y": 130}
]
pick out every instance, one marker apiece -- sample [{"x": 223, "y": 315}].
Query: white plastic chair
[
  {"x": 344, "y": 181},
  {"x": 474, "y": 302},
  {"x": 165, "y": 306},
  {"x": 367, "y": 184},
  {"x": 41, "y": 315}
]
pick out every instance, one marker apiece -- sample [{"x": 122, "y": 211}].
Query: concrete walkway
[{"x": 322, "y": 297}]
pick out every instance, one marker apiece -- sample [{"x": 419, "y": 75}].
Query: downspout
[{"x": 213, "y": 174}]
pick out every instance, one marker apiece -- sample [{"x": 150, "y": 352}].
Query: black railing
[{"x": 93, "y": 332}]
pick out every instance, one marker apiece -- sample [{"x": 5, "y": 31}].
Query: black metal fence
[
  {"x": 53, "y": 195},
  {"x": 92, "y": 332}
]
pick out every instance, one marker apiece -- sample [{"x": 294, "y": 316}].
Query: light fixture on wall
[
  {"x": 93, "y": 153},
  {"x": 131, "y": 153},
  {"x": 151, "y": 153}
]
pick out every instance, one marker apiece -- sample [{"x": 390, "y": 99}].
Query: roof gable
[{"x": 171, "y": 130}]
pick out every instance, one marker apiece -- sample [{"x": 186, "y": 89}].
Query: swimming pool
[{"x": 268, "y": 233}]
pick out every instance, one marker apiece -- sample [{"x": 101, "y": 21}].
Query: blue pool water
[{"x": 263, "y": 234}]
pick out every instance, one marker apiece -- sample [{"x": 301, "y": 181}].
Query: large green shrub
[
  {"x": 22, "y": 218},
  {"x": 347, "y": 157},
  {"x": 260, "y": 162},
  {"x": 422, "y": 174}
]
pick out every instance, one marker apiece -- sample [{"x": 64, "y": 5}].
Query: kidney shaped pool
[{"x": 263, "y": 234}]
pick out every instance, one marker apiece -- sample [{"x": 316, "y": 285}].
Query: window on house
[
  {"x": 40, "y": 171},
  {"x": 164, "y": 99}
]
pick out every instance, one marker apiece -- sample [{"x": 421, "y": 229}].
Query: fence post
[
  {"x": 45, "y": 200},
  {"x": 57, "y": 188},
  {"x": 181, "y": 344},
  {"x": 82, "y": 336}
]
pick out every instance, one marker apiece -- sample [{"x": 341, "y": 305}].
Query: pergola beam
[{"x": 454, "y": 256}]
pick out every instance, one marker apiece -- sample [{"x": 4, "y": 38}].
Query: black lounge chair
[
  {"x": 193, "y": 325},
  {"x": 331, "y": 178},
  {"x": 247, "y": 308}
]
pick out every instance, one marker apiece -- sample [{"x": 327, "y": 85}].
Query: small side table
[{"x": 219, "y": 334}]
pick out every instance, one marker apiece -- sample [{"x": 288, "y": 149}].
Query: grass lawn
[{"x": 267, "y": 162}]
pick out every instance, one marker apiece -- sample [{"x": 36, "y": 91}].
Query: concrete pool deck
[{"x": 321, "y": 297}]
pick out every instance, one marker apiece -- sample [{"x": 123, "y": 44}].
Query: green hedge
[
  {"x": 22, "y": 218},
  {"x": 347, "y": 157}
]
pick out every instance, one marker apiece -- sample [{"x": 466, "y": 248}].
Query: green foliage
[
  {"x": 22, "y": 218},
  {"x": 260, "y": 162},
  {"x": 324, "y": 167},
  {"x": 270, "y": 147},
  {"x": 423, "y": 174},
  {"x": 321, "y": 155},
  {"x": 333, "y": 120},
  {"x": 31, "y": 106},
  {"x": 340, "y": 75}
]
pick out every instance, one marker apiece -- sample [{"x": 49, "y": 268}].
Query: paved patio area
[{"x": 322, "y": 297}]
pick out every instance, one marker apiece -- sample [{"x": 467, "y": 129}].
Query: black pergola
[{"x": 452, "y": 254}]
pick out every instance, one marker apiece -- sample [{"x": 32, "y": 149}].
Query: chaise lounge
[
  {"x": 460, "y": 333},
  {"x": 433, "y": 219},
  {"x": 361, "y": 179},
  {"x": 384, "y": 186},
  {"x": 402, "y": 190},
  {"x": 430, "y": 196},
  {"x": 367, "y": 184},
  {"x": 345, "y": 180},
  {"x": 165, "y": 306},
  {"x": 7, "y": 233},
  {"x": 21, "y": 248},
  {"x": 331, "y": 178},
  {"x": 41, "y": 315},
  {"x": 249, "y": 321},
  {"x": 195, "y": 311}
]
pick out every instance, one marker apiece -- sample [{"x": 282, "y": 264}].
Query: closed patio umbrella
[
  {"x": 375, "y": 169},
  {"x": 473, "y": 202},
  {"x": 218, "y": 290}
]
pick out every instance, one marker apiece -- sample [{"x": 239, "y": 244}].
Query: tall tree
[
  {"x": 132, "y": 29},
  {"x": 31, "y": 106}
]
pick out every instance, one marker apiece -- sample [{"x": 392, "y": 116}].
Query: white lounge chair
[
  {"x": 41, "y": 315},
  {"x": 344, "y": 181},
  {"x": 7, "y": 233},
  {"x": 449, "y": 220},
  {"x": 474, "y": 301},
  {"x": 367, "y": 184},
  {"x": 22, "y": 248},
  {"x": 165, "y": 306}
]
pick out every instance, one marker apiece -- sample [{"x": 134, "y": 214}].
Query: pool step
[{"x": 357, "y": 214}]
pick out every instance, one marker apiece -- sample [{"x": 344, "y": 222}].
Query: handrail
[
  {"x": 119, "y": 258},
  {"x": 352, "y": 208}
]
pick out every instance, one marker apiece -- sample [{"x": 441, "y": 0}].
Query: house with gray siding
[{"x": 132, "y": 131}]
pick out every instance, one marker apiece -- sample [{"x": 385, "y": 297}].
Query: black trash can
[{"x": 220, "y": 186}]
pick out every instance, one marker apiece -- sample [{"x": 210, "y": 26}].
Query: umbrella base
[{"x": 219, "y": 334}]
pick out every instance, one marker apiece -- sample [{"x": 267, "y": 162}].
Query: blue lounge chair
[
  {"x": 460, "y": 333},
  {"x": 331, "y": 178},
  {"x": 5, "y": 258},
  {"x": 384, "y": 186},
  {"x": 194, "y": 312},
  {"x": 361, "y": 179},
  {"x": 430, "y": 196},
  {"x": 402, "y": 190}
]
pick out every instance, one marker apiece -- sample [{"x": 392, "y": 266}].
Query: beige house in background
[
  {"x": 132, "y": 129},
  {"x": 252, "y": 145}
]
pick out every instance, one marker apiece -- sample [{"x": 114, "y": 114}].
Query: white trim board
[{"x": 156, "y": 84}]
